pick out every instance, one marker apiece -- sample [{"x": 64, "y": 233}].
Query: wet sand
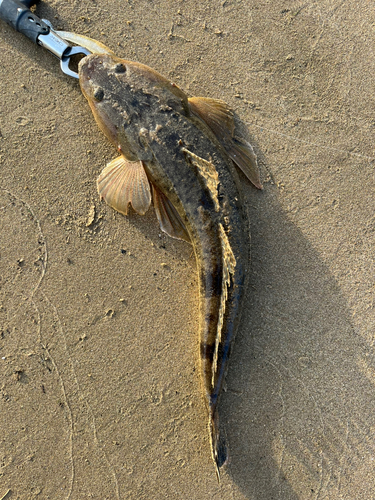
[{"x": 100, "y": 391}]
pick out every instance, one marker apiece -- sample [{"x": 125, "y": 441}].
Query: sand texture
[{"x": 100, "y": 392}]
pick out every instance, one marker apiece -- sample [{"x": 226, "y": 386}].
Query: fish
[{"x": 180, "y": 154}]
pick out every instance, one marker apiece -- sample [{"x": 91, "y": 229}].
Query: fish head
[
  {"x": 109, "y": 101},
  {"x": 92, "y": 79},
  {"x": 125, "y": 97}
]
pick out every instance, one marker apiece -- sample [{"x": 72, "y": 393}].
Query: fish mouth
[
  {"x": 88, "y": 69},
  {"x": 87, "y": 66},
  {"x": 95, "y": 67},
  {"x": 91, "y": 63}
]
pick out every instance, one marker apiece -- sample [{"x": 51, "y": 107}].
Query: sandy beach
[{"x": 100, "y": 391}]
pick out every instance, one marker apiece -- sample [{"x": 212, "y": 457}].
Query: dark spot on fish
[
  {"x": 98, "y": 94},
  {"x": 211, "y": 318},
  {"x": 172, "y": 140},
  {"x": 134, "y": 103},
  {"x": 127, "y": 122},
  {"x": 207, "y": 350},
  {"x": 214, "y": 398},
  {"x": 206, "y": 199},
  {"x": 220, "y": 352},
  {"x": 120, "y": 68},
  {"x": 213, "y": 283}
]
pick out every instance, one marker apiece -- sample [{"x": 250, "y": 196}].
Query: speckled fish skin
[{"x": 147, "y": 118}]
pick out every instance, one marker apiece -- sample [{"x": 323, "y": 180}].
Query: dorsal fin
[
  {"x": 229, "y": 264},
  {"x": 207, "y": 173}
]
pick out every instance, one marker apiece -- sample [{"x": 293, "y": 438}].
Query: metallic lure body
[{"x": 178, "y": 152}]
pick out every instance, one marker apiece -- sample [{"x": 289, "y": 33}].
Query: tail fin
[{"x": 219, "y": 450}]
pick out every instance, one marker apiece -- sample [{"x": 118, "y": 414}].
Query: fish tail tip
[
  {"x": 217, "y": 470},
  {"x": 220, "y": 458},
  {"x": 219, "y": 448}
]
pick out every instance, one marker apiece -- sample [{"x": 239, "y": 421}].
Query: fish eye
[
  {"x": 120, "y": 68},
  {"x": 98, "y": 93}
]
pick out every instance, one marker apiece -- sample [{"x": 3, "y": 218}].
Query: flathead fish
[{"x": 179, "y": 153}]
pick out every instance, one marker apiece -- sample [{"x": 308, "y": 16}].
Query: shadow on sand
[{"x": 298, "y": 410}]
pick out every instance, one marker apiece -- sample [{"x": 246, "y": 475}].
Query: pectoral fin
[
  {"x": 122, "y": 182},
  {"x": 219, "y": 118},
  {"x": 168, "y": 217}
]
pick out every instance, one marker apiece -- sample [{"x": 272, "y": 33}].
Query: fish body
[{"x": 173, "y": 152}]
